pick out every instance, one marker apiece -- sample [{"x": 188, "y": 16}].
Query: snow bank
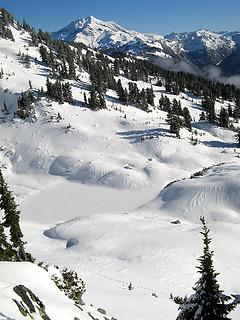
[{"x": 214, "y": 195}]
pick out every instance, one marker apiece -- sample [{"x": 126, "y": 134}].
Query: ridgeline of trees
[{"x": 6, "y": 19}]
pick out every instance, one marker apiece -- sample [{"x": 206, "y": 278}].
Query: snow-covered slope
[
  {"x": 213, "y": 194},
  {"x": 43, "y": 301},
  {"x": 90, "y": 200}
]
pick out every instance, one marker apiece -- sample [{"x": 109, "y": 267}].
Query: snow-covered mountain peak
[
  {"x": 201, "y": 47},
  {"x": 201, "y": 39},
  {"x": 94, "y": 23},
  {"x": 100, "y": 34},
  {"x": 91, "y": 31}
]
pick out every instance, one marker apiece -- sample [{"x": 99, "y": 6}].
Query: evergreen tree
[
  {"x": 85, "y": 99},
  {"x": 168, "y": 86},
  {"x": 122, "y": 93},
  {"x": 150, "y": 96},
  {"x": 96, "y": 100},
  {"x": 236, "y": 111},
  {"x": 93, "y": 100},
  {"x": 71, "y": 285},
  {"x": 5, "y": 109},
  {"x": 223, "y": 118},
  {"x": 143, "y": 104},
  {"x": 26, "y": 60},
  {"x": 116, "y": 67},
  {"x": 230, "y": 111},
  {"x": 208, "y": 302},
  {"x": 67, "y": 92},
  {"x": 187, "y": 118},
  {"x": 174, "y": 122},
  {"x": 6, "y": 20},
  {"x": 102, "y": 102},
  {"x": 176, "y": 107},
  {"x": 5, "y": 251},
  {"x": 25, "y": 108},
  {"x": 238, "y": 137},
  {"x": 164, "y": 103},
  {"x": 208, "y": 105},
  {"x": 202, "y": 116},
  {"x": 59, "y": 91},
  {"x": 176, "y": 90},
  {"x": 14, "y": 250}
]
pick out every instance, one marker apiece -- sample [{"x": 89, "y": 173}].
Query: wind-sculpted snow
[
  {"x": 214, "y": 195},
  {"x": 104, "y": 171}
]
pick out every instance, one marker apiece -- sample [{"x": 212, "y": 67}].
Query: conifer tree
[
  {"x": 174, "y": 122},
  {"x": 230, "y": 111},
  {"x": 93, "y": 100},
  {"x": 5, "y": 252},
  {"x": 67, "y": 92},
  {"x": 85, "y": 99},
  {"x": 143, "y": 104},
  {"x": 13, "y": 250},
  {"x": 150, "y": 96},
  {"x": 208, "y": 105},
  {"x": 25, "y": 108},
  {"x": 238, "y": 137},
  {"x": 202, "y": 116},
  {"x": 223, "y": 118},
  {"x": 208, "y": 302},
  {"x": 187, "y": 118},
  {"x": 236, "y": 111},
  {"x": 122, "y": 93}
]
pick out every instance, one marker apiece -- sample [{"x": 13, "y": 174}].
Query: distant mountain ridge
[{"x": 201, "y": 48}]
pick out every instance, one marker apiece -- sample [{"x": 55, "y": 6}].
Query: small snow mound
[{"x": 100, "y": 172}]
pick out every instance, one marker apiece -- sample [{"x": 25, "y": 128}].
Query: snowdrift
[{"x": 214, "y": 195}]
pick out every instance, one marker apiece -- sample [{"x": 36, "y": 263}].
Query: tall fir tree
[
  {"x": 187, "y": 118},
  {"x": 208, "y": 302},
  {"x": 223, "y": 118},
  {"x": 14, "y": 250},
  {"x": 174, "y": 122},
  {"x": 238, "y": 137}
]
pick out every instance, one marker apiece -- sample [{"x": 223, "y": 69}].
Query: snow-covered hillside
[
  {"x": 92, "y": 197},
  {"x": 28, "y": 291}
]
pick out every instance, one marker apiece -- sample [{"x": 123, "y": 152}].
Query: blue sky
[{"x": 152, "y": 16}]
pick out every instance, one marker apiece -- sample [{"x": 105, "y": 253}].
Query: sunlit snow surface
[{"x": 100, "y": 186}]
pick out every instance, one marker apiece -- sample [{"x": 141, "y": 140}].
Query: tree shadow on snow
[
  {"x": 141, "y": 135},
  {"x": 219, "y": 144}
]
